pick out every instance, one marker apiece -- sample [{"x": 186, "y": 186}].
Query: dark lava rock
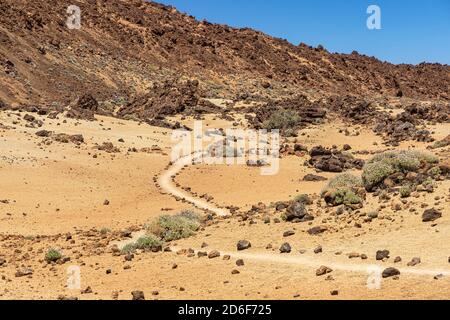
[
  {"x": 286, "y": 248},
  {"x": 382, "y": 254},
  {"x": 332, "y": 160},
  {"x": 166, "y": 99},
  {"x": 85, "y": 108},
  {"x": 214, "y": 254},
  {"x": 23, "y": 272},
  {"x": 431, "y": 215},
  {"x": 138, "y": 295},
  {"x": 44, "y": 133},
  {"x": 243, "y": 245},
  {"x": 313, "y": 178},
  {"x": 296, "y": 210},
  {"x": 390, "y": 272},
  {"x": 323, "y": 270},
  {"x": 288, "y": 233},
  {"x": 317, "y": 230},
  {"x": 414, "y": 262}
]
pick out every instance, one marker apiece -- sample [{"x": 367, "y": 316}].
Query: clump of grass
[
  {"x": 343, "y": 189},
  {"x": 428, "y": 183},
  {"x": 441, "y": 144},
  {"x": 284, "y": 120},
  {"x": 435, "y": 172},
  {"x": 129, "y": 248},
  {"x": 149, "y": 242},
  {"x": 169, "y": 228},
  {"x": 405, "y": 191},
  {"x": 104, "y": 231},
  {"x": 343, "y": 196},
  {"x": 344, "y": 180},
  {"x": 385, "y": 164},
  {"x": 303, "y": 198},
  {"x": 53, "y": 255}
]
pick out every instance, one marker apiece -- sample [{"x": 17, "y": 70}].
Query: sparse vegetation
[
  {"x": 284, "y": 120},
  {"x": 53, "y": 255},
  {"x": 405, "y": 191},
  {"x": 129, "y": 248},
  {"x": 149, "y": 242},
  {"x": 385, "y": 164},
  {"x": 105, "y": 231},
  {"x": 303, "y": 198},
  {"x": 434, "y": 172},
  {"x": 146, "y": 243},
  {"x": 169, "y": 228},
  {"x": 441, "y": 144},
  {"x": 344, "y": 189}
]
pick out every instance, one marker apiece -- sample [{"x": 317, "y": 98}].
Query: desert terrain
[{"x": 359, "y": 209}]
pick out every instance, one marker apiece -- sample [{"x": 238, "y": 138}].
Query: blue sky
[{"x": 412, "y": 31}]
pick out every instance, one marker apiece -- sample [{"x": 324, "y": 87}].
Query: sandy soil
[{"x": 53, "y": 189}]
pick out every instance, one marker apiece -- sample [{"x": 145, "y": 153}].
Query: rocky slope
[{"x": 124, "y": 47}]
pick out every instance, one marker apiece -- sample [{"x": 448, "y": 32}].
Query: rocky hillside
[{"x": 124, "y": 47}]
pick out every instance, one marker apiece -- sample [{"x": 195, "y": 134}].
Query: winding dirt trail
[{"x": 166, "y": 183}]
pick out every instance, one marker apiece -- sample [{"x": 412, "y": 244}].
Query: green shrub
[
  {"x": 345, "y": 196},
  {"x": 191, "y": 215},
  {"x": 129, "y": 248},
  {"x": 285, "y": 120},
  {"x": 383, "y": 165},
  {"x": 169, "y": 228},
  {"x": 428, "y": 182},
  {"x": 303, "y": 198},
  {"x": 405, "y": 191},
  {"x": 343, "y": 189},
  {"x": 149, "y": 242},
  {"x": 53, "y": 255},
  {"x": 105, "y": 231},
  {"x": 441, "y": 144},
  {"x": 434, "y": 172},
  {"x": 375, "y": 173},
  {"x": 344, "y": 180}
]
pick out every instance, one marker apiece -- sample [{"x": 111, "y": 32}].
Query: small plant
[
  {"x": 384, "y": 195},
  {"x": 344, "y": 189},
  {"x": 375, "y": 173},
  {"x": 428, "y": 183},
  {"x": 129, "y": 248},
  {"x": 53, "y": 255},
  {"x": 405, "y": 191},
  {"x": 434, "y": 172},
  {"x": 344, "y": 196},
  {"x": 385, "y": 164},
  {"x": 441, "y": 144},
  {"x": 303, "y": 198},
  {"x": 104, "y": 231},
  {"x": 169, "y": 228},
  {"x": 286, "y": 121},
  {"x": 149, "y": 242}
]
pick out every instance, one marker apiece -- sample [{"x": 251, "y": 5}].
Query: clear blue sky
[{"x": 412, "y": 31}]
